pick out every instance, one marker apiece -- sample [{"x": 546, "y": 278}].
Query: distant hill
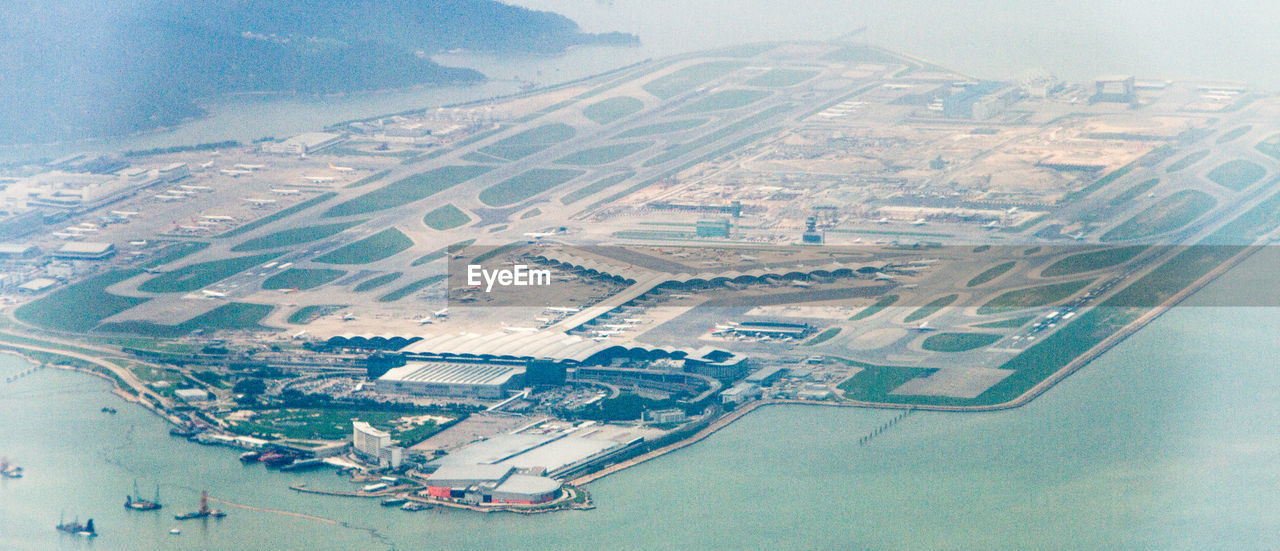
[{"x": 76, "y": 69}]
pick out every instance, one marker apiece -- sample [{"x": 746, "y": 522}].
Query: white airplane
[
  {"x": 543, "y": 320},
  {"x": 195, "y": 188},
  {"x": 124, "y": 213},
  {"x": 605, "y": 334},
  {"x": 213, "y": 294},
  {"x": 269, "y": 264},
  {"x": 992, "y": 225},
  {"x": 219, "y": 217},
  {"x": 442, "y": 313},
  {"x": 1012, "y": 210},
  {"x": 919, "y": 222},
  {"x": 539, "y": 235},
  {"x": 341, "y": 168},
  {"x": 234, "y": 173},
  {"x": 320, "y": 179},
  {"x": 511, "y": 329},
  {"x": 243, "y": 166},
  {"x": 883, "y": 277},
  {"x": 426, "y": 321},
  {"x": 283, "y": 191},
  {"x": 617, "y": 327},
  {"x": 725, "y": 326},
  {"x": 633, "y": 321},
  {"x": 924, "y": 326},
  {"x": 206, "y": 165},
  {"x": 348, "y": 316},
  {"x": 882, "y": 221},
  {"x": 300, "y": 334},
  {"x": 563, "y": 309},
  {"x": 260, "y": 202},
  {"x": 61, "y": 235},
  {"x": 287, "y": 291},
  {"x": 168, "y": 198},
  {"x": 800, "y": 284},
  {"x": 285, "y": 265}
]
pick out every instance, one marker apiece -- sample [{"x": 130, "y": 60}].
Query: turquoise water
[{"x": 1170, "y": 440}]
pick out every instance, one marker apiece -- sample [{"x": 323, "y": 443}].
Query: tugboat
[
  {"x": 249, "y": 457},
  {"x": 109, "y": 410},
  {"x": 412, "y": 506},
  {"x": 136, "y": 502},
  {"x": 76, "y": 529},
  {"x": 203, "y": 512}
]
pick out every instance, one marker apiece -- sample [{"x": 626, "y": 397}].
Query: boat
[
  {"x": 175, "y": 531},
  {"x": 76, "y": 529},
  {"x": 9, "y": 471},
  {"x": 136, "y": 502},
  {"x": 203, "y": 512},
  {"x": 186, "y": 431},
  {"x": 275, "y": 459},
  {"x": 300, "y": 464},
  {"x": 394, "y": 501},
  {"x": 249, "y": 457},
  {"x": 412, "y": 506},
  {"x": 109, "y": 410}
]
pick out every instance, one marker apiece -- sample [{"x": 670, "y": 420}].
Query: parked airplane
[
  {"x": 442, "y": 313},
  {"x": 213, "y": 294},
  {"x": 284, "y": 191},
  {"x": 341, "y": 168},
  {"x": 511, "y": 329},
  {"x": 320, "y": 179}
]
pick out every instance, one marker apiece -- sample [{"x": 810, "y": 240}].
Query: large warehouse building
[
  {"x": 461, "y": 380},
  {"x": 479, "y": 484}
]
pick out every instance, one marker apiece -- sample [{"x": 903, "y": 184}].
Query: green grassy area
[
  {"x": 80, "y": 306},
  {"x": 446, "y": 217},
  {"x": 529, "y": 142},
  {"x": 858, "y": 53},
  {"x": 931, "y": 308},
  {"x": 1187, "y": 160},
  {"x": 605, "y": 154},
  {"x": 478, "y": 157},
  {"x": 724, "y": 100},
  {"x": 175, "y": 250},
  {"x": 1011, "y": 323},
  {"x": 411, "y": 288},
  {"x": 1237, "y": 175},
  {"x": 280, "y": 214},
  {"x": 661, "y": 128},
  {"x": 494, "y": 252},
  {"x": 377, "y": 281},
  {"x": 990, "y": 274},
  {"x": 1031, "y": 251},
  {"x": 370, "y": 249},
  {"x": 407, "y": 190},
  {"x": 688, "y": 78},
  {"x": 1270, "y": 146},
  {"x": 880, "y": 304},
  {"x": 875, "y": 382},
  {"x": 1093, "y": 260},
  {"x": 230, "y": 316},
  {"x": 525, "y": 185},
  {"x": 1234, "y": 134},
  {"x": 195, "y": 276},
  {"x": 301, "y": 278},
  {"x": 781, "y": 78},
  {"x": 1133, "y": 192},
  {"x": 826, "y": 335},
  {"x": 958, "y": 342},
  {"x": 1170, "y": 213},
  {"x": 612, "y": 109},
  {"x": 1032, "y": 297},
  {"x": 1099, "y": 183},
  {"x": 332, "y": 424},
  {"x": 294, "y": 236},
  {"x": 370, "y": 178},
  {"x": 308, "y": 314},
  {"x": 439, "y": 253},
  {"x": 530, "y": 213}
]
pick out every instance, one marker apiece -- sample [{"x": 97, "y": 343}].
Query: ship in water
[
  {"x": 249, "y": 457},
  {"x": 135, "y": 501},
  {"x": 76, "y": 529},
  {"x": 203, "y": 512},
  {"x": 9, "y": 471}
]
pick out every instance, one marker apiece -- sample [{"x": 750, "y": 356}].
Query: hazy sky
[{"x": 994, "y": 38}]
